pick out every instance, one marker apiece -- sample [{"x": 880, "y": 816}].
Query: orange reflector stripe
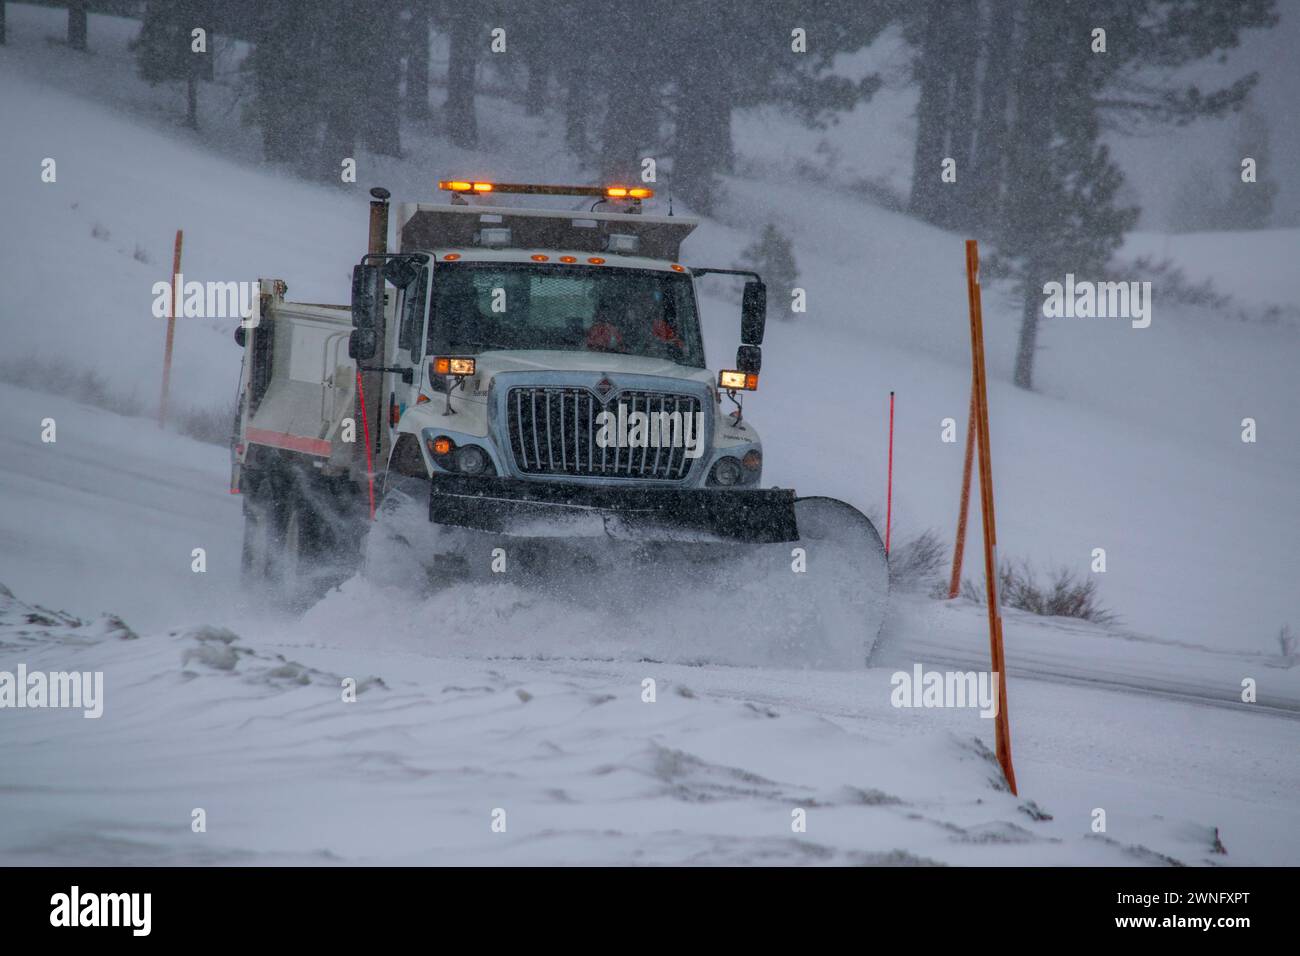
[{"x": 309, "y": 446}]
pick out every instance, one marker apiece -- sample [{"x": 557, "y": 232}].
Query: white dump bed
[{"x": 298, "y": 384}]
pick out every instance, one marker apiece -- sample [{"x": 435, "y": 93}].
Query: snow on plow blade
[
  {"x": 543, "y": 510},
  {"x": 737, "y": 577}
]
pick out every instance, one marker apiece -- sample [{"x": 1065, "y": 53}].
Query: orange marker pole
[
  {"x": 1003, "y": 725},
  {"x": 171, "y": 333},
  {"x": 959, "y": 549}
]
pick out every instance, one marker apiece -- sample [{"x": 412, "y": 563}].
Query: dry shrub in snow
[
  {"x": 917, "y": 563},
  {"x": 1065, "y": 593}
]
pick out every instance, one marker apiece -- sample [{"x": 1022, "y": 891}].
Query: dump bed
[{"x": 298, "y": 384}]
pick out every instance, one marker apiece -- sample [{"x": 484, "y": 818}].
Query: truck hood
[{"x": 492, "y": 363}]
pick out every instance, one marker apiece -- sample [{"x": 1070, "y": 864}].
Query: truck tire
[
  {"x": 295, "y": 530},
  {"x": 263, "y": 530}
]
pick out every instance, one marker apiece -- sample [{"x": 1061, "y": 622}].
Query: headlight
[
  {"x": 468, "y": 460},
  {"x": 471, "y": 460},
  {"x": 727, "y": 472}
]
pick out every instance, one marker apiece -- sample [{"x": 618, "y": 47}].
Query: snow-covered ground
[
  {"x": 219, "y": 707},
  {"x": 1131, "y": 444}
]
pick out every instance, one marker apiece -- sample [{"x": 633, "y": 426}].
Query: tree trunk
[
  {"x": 957, "y": 199},
  {"x": 207, "y": 61},
  {"x": 1028, "y": 229},
  {"x": 2, "y": 22},
  {"x": 702, "y": 132},
  {"x": 192, "y": 97},
  {"x": 931, "y": 112},
  {"x": 77, "y": 24},
  {"x": 458, "y": 111},
  {"x": 381, "y": 119},
  {"x": 285, "y": 79},
  {"x": 576, "y": 108},
  {"x": 538, "y": 77},
  {"x": 630, "y": 128},
  {"x": 1030, "y": 311},
  {"x": 987, "y": 175},
  {"x": 417, "y": 64}
]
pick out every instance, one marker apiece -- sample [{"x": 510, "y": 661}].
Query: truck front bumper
[{"x": 524, "y": 508}]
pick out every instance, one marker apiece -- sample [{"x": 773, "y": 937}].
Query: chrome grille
[{"x": 553, "y": 431}]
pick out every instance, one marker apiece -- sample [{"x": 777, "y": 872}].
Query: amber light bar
[{"x": 540, "y": 189}]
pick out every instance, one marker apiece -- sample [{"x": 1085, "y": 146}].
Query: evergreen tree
[
  {"x": 1249, "y": 205},
  {"x": 1031, "y": 173},
  {"x": 164, "y": 50},
  {"x": 772, "y": 257}
]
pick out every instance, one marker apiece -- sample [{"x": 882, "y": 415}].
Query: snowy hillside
[{"x": 1132, "y": 443}]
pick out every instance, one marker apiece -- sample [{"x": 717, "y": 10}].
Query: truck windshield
[{"x": 481, "y": 306}]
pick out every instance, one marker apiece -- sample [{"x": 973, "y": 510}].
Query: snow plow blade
[
  {"x": 736, "y": 577},
  {"x": 557, "y": 510}
]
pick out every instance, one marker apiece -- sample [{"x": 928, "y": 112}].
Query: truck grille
[{"x": 553, "y": 432}]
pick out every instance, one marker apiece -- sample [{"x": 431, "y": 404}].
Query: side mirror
[
  {"x": 367, "y": 296},
  {"x": 753, "y": 313},
  {"x": 362, "y": 344},
  {"x": 749, "y": 358},
  {"x": 400, "y": 272}
]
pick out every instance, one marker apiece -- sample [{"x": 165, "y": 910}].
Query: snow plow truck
[{"x": 518, "y": 395}]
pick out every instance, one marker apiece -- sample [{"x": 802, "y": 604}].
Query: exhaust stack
[
  {"x": 379, "y": 220},
  {"x": 366, "y": 454}
]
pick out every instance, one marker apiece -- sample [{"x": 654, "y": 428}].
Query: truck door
[{"x": 402, "y": 387}]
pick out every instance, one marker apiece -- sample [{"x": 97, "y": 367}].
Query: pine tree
[
  {"x": 164, "y": 50},
  {"x": 1033, "y": 177},
  {"x": 1249, "y": 205},
  {"x": 772, "y": 257}
]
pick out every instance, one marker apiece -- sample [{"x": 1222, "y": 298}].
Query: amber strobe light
[
  {"x": 449, "y": 365},
  {"x": 464, "y": 186},
  {"x": 440, "y": 445},
  {"x": 541, "y": 189},
  {"x": 731, "y": 379}
]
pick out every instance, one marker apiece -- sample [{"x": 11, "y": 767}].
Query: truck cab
[{"x": 558, "y": 349}]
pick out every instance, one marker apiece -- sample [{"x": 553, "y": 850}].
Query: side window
[{"x": 408, "y": 335}]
